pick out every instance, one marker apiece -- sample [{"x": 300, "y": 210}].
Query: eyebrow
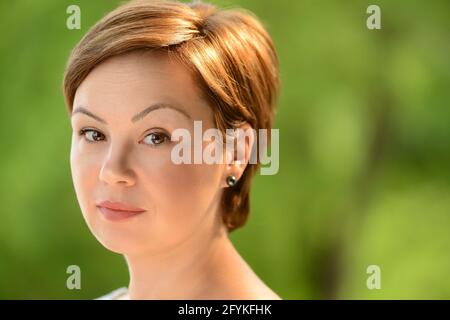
[{"x": 139, "y": 116}]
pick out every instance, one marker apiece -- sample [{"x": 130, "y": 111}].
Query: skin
[{"x": 179, "y": 248}]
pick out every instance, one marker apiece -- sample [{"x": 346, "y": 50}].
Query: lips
[{"x": 116, "y": 211}]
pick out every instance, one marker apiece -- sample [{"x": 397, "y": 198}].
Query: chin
[
  {"x": 118, "y": 238},
  {"x": 118, "y": 244},
  {"x": 124, "y": 241}
]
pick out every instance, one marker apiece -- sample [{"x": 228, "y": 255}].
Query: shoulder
[
  {"x": 264, "y": 294},
  {"x": 245, "y": 284},
  {"x": 114, "y": 295},
  {"x": 252, "y": 287},
  {"x": 245, "y": 289},
  {"x": 258, "y": 292}
]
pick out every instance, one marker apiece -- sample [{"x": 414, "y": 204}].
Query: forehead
[{"x": 125, "y": 84}]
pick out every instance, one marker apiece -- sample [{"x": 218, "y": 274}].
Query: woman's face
[{"x": 123, "y": 156}]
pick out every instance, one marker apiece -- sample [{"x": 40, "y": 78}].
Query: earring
[{"x": 231, "y": 181}]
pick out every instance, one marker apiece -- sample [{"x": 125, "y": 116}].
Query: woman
[{"x": 143, "y": 72}]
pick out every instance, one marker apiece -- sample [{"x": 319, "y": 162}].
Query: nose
[{"x": 116, "y": 170}]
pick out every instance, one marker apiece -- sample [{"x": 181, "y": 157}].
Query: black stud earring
[{"x": 231, "y": 181}]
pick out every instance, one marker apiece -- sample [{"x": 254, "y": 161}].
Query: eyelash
[{"x": 165, "y": 136}]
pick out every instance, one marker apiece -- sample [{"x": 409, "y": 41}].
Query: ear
[{"x": 238, "y": 152}]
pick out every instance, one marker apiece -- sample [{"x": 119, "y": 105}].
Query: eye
[
  {"x": 156, "y": 138},
  {"x": 91, "y": 135}
]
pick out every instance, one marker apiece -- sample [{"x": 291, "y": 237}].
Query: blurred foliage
[{"x": 364, "y": 121}]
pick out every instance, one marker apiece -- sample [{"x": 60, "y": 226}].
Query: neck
[{"x": 186, "y": 271}]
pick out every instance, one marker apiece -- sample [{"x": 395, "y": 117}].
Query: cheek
[
  {"x": 84, "y": 169},
  {"x": 184, "y": 193}
]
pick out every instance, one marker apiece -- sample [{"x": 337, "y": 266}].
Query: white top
[{"x": 114, "y": 295}]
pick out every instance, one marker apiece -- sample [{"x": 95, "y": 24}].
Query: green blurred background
[{"x": 364, "y": 121}]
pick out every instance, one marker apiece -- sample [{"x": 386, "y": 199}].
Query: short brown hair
[{"x": 229, "y": 52}]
